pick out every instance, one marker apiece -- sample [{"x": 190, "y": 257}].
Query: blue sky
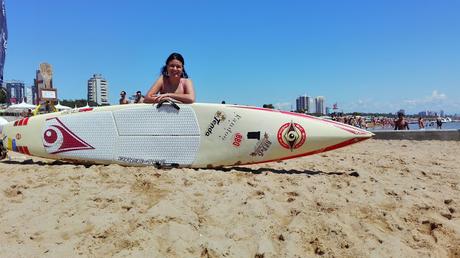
[{"x": 369, "y": 56}]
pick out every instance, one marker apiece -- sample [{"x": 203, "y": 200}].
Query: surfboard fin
[{"x": 162, "y": 165}]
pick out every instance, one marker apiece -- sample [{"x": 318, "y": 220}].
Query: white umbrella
[
  {"x": 20, "y": 107},
  {"x": 61, "y": 107}
]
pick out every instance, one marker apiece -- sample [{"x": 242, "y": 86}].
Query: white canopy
[
  {"x": 61, "y": 107},
  {"x": 20, "y": 107}
]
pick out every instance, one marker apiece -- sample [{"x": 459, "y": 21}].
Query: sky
[{"x": 366, "y": 56}]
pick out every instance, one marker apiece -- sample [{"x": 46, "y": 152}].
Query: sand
[{"x": 373, "y": 199}]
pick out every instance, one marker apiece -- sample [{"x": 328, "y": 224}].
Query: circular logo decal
[
  {"x": 291, "y": 136},
  {"x": 18, "y": 136}
]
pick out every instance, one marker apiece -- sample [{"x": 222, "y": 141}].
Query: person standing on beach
[
  {"x": 123, "y": 99},
  {"x": 173, "y": 83},
  {"x": 438, "y": 123},
  {"x": 421, "y": 125},
  {"x": 401, "y": 123},
  {"x": 139, "y": 98}
]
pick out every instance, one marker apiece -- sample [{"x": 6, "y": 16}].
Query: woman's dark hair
[{"x": 174, "y": 56}]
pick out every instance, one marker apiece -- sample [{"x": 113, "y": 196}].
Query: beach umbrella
[
  {"x": 17, "y": 108},
  {"x": 61, "y": 107}
]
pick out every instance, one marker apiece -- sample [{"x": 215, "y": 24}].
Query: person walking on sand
[{"x": 173, "y": 83}]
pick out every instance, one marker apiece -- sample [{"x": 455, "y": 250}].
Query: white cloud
[
  {"x": 433, "y": 99},
  {"x": 436, "y": 96},
  {"x": 436, "y": 101}
]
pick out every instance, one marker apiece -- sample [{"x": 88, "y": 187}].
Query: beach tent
[
  {"x": 18, "y": 108},
  {"x": 61, "y": 107}
]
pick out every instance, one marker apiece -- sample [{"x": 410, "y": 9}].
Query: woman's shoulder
[{"x": 186, "y": 80}]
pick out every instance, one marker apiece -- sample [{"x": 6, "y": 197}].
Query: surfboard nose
[{"x": 312, "y": 135}]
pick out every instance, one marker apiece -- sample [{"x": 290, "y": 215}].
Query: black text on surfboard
[{"x": 218, "y": 117}]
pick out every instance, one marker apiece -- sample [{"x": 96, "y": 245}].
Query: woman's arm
[{"x": 151, "y": 96}]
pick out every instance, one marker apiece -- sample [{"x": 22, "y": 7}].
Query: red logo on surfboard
[
  {"x": 58, "y": 138},
  {"x": 291, "y": 136}
]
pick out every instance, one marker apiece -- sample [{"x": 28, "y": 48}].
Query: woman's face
[{"x": 175, "y": 68}]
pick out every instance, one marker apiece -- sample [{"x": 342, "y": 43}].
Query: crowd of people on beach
[
  {"x": 389, "y": 123},
  {"x": 357, "y": 121}
]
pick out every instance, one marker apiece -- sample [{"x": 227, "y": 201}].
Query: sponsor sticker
[
  {"x": 228, "y": 130},
  {"x": 217, "y": 119},
  {"x": 262, "y": 146},
  {"x": 237, "y": 139},
  {"x": 291, "y": 136},
  {"x": 18, "y": 136}
]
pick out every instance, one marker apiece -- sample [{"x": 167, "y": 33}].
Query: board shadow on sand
[
  {"x": 221, "y": 169},
  {"x": 283, "y": 171},
  {"x": 42, "y": 163}
]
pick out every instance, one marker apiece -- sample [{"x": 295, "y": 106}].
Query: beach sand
[{"x": 373, "y": 199}]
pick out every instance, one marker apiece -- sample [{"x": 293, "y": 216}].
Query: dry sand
[{"x": 373, "y": 199}]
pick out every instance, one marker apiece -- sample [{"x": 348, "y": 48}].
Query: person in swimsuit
[
  {"x": 139, "y": 98},
  {"x": 401, "y": 123},
  {"x": 173, "y": 83},
  {"x": 123, "y": 99},
  {"x": 438, "y": 123},
  {"x": 421, "y": 124}
]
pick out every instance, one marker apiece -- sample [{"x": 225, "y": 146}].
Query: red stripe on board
[
  {"x": 16, "y": 123},
  {"x": 26, "y": 120},
  {"x": 85, "y": 109},
  {"x": 26, "y": 150},
  {"x": 19, "y": 149},
  {"x": 332, "y": 147},
  {"x": 20, "y": 122}
]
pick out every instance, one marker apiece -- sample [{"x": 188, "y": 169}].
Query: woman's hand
[{"x": 162, "y": 97}]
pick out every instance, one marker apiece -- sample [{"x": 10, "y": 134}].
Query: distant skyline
[{"x": 368, "y": 56}]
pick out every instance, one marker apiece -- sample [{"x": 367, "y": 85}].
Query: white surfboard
[{"x": 194, "y": 135}]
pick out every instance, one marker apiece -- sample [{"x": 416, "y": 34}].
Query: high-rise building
[
  {"x": 28, "y": 93},
  {"x": 319, "y": 104},
  {"x": 98, "y": 91},
  {"x": 15, "y": 92},
  {"x": 303, "y": 104}
]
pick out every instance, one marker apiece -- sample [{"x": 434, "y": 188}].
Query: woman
[{"x": 173, "y": 83}]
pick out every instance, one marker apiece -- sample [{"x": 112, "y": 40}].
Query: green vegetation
[{"x": 268, "y": 106}]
